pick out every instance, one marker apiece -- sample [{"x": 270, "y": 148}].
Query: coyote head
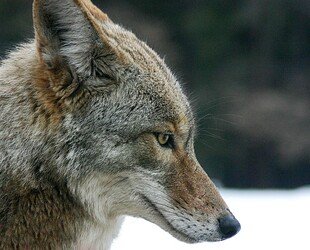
[{"x": 124, "y": 127}]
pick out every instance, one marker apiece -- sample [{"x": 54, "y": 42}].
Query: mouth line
[{"x": 157, "y": 210}]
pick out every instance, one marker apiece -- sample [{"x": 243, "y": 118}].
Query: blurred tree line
[{"x": 244, "y": 64}]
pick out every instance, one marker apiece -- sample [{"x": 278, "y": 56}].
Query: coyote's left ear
[{"x": 69, "y": 31}]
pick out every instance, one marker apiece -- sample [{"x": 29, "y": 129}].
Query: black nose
[{"x": 229, "y": 226}]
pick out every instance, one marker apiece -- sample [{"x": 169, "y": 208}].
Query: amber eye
[{"x": 165, "y": 139}]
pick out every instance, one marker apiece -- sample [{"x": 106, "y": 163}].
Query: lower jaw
[{"x": 168, "y": 226}]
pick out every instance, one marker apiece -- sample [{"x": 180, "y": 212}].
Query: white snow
[{"x": 269, "y": 220}]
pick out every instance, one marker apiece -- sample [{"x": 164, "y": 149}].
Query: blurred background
[{"x": 245, "y": 65}]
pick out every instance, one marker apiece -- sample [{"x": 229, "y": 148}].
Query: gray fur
[{"x": 80, "y": 152}]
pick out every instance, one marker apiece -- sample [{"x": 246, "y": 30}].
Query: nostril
[{"x": 229, "y": 226}]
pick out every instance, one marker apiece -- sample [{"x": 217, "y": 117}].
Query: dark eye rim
[{"x": 171, "y": 141}]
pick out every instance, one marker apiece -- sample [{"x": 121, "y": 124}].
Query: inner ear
[{"x": 67, "y": 29}]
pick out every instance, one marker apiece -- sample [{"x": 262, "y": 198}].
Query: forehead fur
[{"x": 146, "y": 77}]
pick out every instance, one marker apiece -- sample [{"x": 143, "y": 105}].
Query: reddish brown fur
[
  {"x": 42, "y": 208},
  {"x": 88, "y": 5},
  {"x": 192, "y": 188},
  {"x": 49, "y": 106},
  {"x": 58, "y": 92}
]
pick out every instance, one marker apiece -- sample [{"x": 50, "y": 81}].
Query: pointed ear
[{"x": 68, "y": 31}]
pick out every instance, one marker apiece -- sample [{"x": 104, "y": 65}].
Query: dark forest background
[{"x": 246, "y": 67}]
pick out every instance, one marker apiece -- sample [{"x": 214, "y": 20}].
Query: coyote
[{"x": 94, "y": 127}]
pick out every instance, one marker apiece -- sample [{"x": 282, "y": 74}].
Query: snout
[{"x": 229, "y": 226}]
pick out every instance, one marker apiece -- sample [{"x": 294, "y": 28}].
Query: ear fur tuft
[
  {"x": 68, "y": 29},
  {"x": 74, "y": 54}
]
